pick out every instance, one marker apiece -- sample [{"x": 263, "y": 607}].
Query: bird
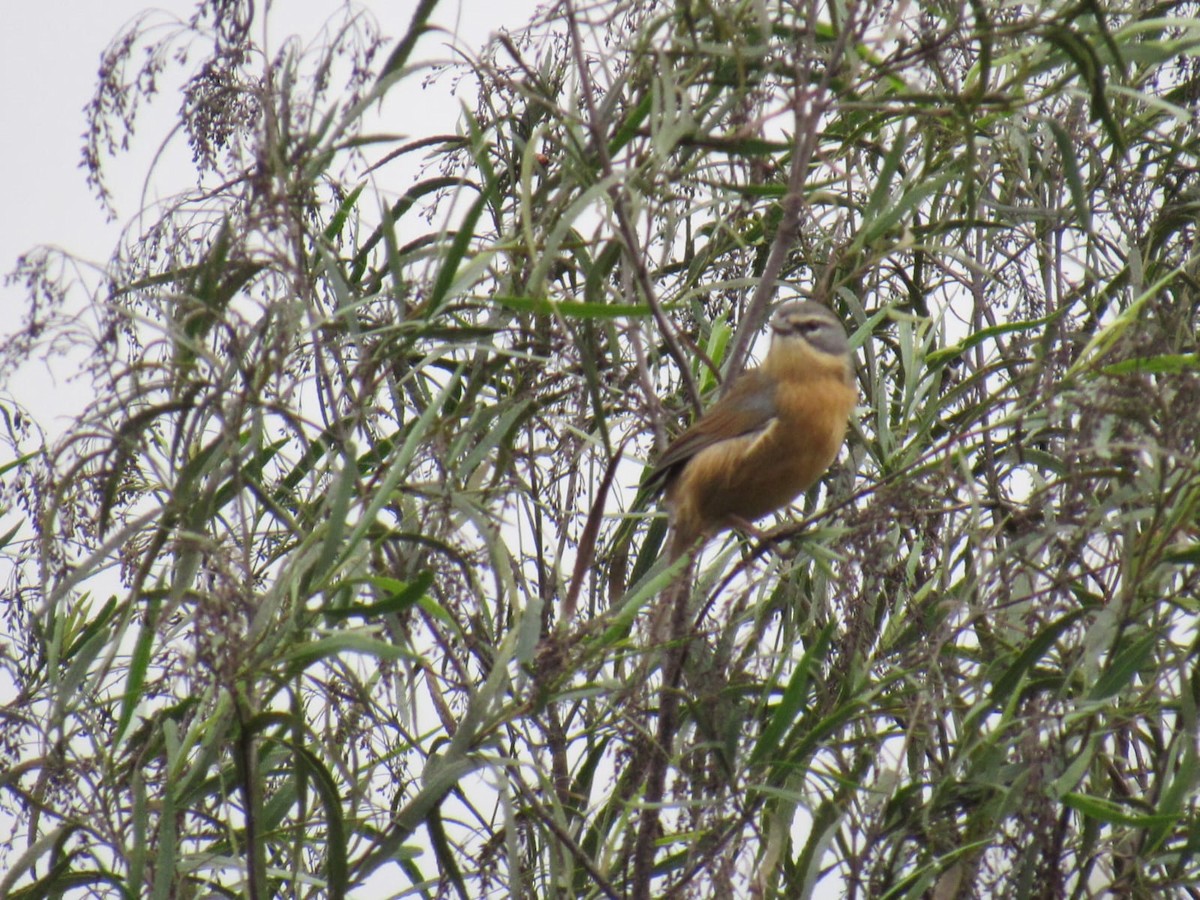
[{"x": 769, "y": 438}]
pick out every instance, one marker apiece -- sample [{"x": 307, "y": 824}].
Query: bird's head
[{"x": 807, "y": 340}]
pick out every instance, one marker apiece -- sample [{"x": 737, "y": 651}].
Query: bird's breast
[{"x": 749, "y": 476}]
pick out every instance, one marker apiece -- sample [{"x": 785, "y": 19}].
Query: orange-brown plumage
[{"x": 770, "y": 437}]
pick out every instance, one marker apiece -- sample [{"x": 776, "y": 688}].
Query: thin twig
[
  {"x": 567, "y": 841},
  {"x": 808, "y": 107},
  {"x": 677, "y": 596},
  {"x": 625, "y": 227}
]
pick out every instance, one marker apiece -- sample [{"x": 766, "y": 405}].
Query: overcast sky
[{"x": 49, "y": 58}]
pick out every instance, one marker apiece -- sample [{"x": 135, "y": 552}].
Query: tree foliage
[{"x": 343, "y": 576}]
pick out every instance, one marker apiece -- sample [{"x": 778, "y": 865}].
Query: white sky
[{"x": 49, "y": 57}]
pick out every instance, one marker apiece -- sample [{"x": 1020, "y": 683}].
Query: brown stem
[
  {"x": 808, "y": 106},
  {"x": 677, "y": 597}
]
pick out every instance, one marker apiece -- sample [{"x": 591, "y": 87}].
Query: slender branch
[
  {"x": 625, "y": 228},
  {"x": 808, "y": 107},
  {"x": 677, "y": 596},
  {"x": 563, "y": 835},
  {"x": 256, "y": 859}
]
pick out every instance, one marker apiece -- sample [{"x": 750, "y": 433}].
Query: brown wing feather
[{"x": 749, "y": 407}]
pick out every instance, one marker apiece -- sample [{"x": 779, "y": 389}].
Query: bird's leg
[
  {"x": 765, "y": 537},
  {"x": 748, "y": 527}
]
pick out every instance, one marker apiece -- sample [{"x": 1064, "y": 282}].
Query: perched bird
[{"x": 770, "y": 437}]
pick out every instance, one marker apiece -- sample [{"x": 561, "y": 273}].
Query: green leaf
[
  {"x": 905, "y": 205},
  {"x": 364, "y": 642},
  {"x": 1105, "y": 810},
  {"x": 398, "y": 596},
  {"x": 1124, "y": 663},
  {"x": 1163, "y": 364},
  {"x": 457, "y": 250},
  {"x": 1067, "y": 155},
  {"x": 571, "y": 309},
  {"x": 338, "y": 222},
  {"x": 787, "y": 710},
  {"x": 404, "y": 48},
  {"x": 1032, "y": 326},
  {"x": 1014, "y": 673}
]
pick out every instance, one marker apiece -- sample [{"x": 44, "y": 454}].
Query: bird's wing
[{"x": 749, "y": 407}]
